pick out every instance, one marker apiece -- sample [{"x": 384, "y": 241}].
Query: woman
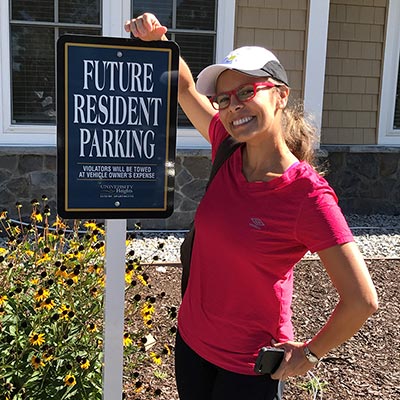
[{"x": 266, "y": 207}]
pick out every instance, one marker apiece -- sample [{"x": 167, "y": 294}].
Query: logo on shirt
[{"x": 256, "y": 223}]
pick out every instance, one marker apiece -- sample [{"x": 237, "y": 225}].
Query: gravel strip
[{"x": 378, "y": 236}]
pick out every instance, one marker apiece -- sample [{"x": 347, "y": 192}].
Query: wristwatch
[{"x": 311, "y": 357}]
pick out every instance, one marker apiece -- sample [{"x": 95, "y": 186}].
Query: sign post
[
  {"x": 116, "y": 135},
  {"x": 114, "y": 308}
]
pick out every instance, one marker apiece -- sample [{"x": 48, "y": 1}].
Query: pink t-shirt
[{"x": 249, "y": 236}]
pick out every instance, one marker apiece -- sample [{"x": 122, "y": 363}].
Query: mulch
[{"x": 365, "y": 367}]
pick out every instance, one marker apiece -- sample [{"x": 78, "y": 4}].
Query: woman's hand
[
  {"x": 146, "y": 27},
  {"x": 294, "y": 362}
]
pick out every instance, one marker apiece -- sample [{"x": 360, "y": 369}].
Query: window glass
[
  {"x": 33, "y": 53},
  {"x": 184, "y": 19},
  {"x": 396, "y": 122},
  {"x": 196, "y": 15},
  {"x": 196, "y": 51},
  {"x": 33, "y": 83},
  {"x": 163, "y": 9},
  {"x": 28, "y": 10},
  {"x": 80, "y": 11}
]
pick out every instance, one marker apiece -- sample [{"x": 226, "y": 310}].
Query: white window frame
[
  {"x": 115, "y": 12},
  {"x": 386, "y": 134}
]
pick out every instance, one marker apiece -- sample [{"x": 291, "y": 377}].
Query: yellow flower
[
  {"x": 90, "y": 225},
  {"x": 127, "y": 340},
  {"x": 147, "y": 312},
  {"x": 48, "y": 304},
  {"x": 3, "y": 251},
  {"x": 142, "y": 280},
  {"x": 62, "y": 272},
  {"x": 64, "y": 311},
  {"x": 59, "y": 224},
  {"x": 36, "y": 338},
  {"x": 166, "y": 350},
  {"x": 37, "y": 362},
  {"x": 156, "y": 358},
  {"x": 128, "y": 277},
  {"x": 85, "y": 364},
  {"x": 3, "y": 299},
  {"x": 70, "y": 380},
  {"x": 92, "y": 327},
  {"x": 48, "y": 357},
  {"x": 41, "y": 294},
  {"x": 37, "y": 217},
  {"x": 35, "y": 281}
]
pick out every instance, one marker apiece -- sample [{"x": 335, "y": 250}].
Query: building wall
[
  {"x": 353, "y": 71},
  {"x": 366, "y": 181},
  {"x": 366, "y": 178},
  {"x": 280, "y": 26}
]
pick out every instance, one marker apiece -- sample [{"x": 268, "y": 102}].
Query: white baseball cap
[{"x": 250, "y": 60}]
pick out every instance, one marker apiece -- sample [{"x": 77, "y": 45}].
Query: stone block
[
  {"x": 389, "y": 165},
  {"x": 8, "y": 163},
  {"x": 28, "y": 163}
]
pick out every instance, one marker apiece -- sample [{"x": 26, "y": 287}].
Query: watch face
[{"x": 310, "y": 356}]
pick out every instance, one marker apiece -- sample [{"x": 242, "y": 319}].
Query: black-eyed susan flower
[
  {"x": 70, "y": 380},
  {"x": 59, "y": 224},
  {"x": 127, "y": 340},
  {"x": 36, "y": 339},
  {"x": 85, "y": 364},
  {"x": 48, "y": 356},
  {"x": 37, "y": 362},
  {"x": 142, "y": 280},
  {"x": 48, "y": 304},
  {"x": 92, "y": 327},
  {"x": 41, "y": 294},
  {"x": 36, "y": 216},
  {"x": 139, "y": 386},
  {"x": 147, "y": 312},
  {"x": 166, "y": 350},
  {"x": 35, "y": 281},
  {"x": 3, "y": 299},
  {"x": 156, "y": 358},
  {"x": 64, "y": 311},
  {"x": 62, "y": 272}
]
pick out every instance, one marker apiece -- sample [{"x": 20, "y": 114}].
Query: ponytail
[{"x": 300, "y": 133}]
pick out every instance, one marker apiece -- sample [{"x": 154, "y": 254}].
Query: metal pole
[{"x": 114, "y": 309}]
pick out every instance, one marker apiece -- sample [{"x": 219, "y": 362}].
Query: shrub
[{"x": 51, "y": 309}]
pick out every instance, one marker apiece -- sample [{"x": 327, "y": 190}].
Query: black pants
[{"x": 197, "y": 379}]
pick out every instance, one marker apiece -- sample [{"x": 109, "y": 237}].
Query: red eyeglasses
[{"x": 243, "y": 93}]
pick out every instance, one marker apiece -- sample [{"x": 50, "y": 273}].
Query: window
[
  {"x": 29, "y": 31},
  {"x": 396, "y": 122},
  {"x": 34, "y": 30},
  {"x": 389, "y": 113},
  {"x": 192, "y": 24}
]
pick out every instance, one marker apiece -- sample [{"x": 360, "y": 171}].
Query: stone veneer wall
[{"x": 366, "y": 179}]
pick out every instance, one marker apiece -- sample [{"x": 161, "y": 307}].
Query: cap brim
[{"x": 207, "y": 78}]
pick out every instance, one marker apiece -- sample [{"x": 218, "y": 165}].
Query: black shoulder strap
[{"x": 225, "y": 149}]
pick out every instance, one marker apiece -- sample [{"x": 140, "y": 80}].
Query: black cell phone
[{"x": 268, "y": 360}]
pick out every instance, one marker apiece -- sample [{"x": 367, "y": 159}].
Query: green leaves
[{"x": 51, "y": 309}]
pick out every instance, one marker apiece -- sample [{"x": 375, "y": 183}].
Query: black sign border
[{"x": 62, "y": 157}]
